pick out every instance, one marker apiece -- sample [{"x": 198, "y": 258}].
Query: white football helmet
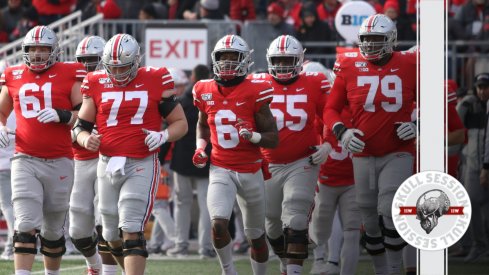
[
  {"x": 377, "y": 25},
  {"x": 318, "y": 67},
  {"x": 289, "y": 47},
  {"x": 120, "y": 51},
  {"x": 227, "y": 69},
  {"x": 40, "y": 36},
  {"x": 89, "y": 52}
]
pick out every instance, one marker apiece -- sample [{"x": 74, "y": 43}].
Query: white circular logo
[
  {"x": 349, "y": 18},
  {"x": 431, "y": 210}
]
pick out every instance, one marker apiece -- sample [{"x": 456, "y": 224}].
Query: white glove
[
  {"x": 351, "y": 142},
  {"x": 48, "y": 115},
  {"x": 321, "y": 154},
  {"x": 155, "y": 139},
  {"x": 406, "y": 130},
  {"x": 4, "y": 139}
]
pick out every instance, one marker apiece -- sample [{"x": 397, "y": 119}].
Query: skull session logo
[{"x": 431, "y": 210}]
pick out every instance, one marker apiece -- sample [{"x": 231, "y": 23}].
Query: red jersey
[
  {"x": 224, "y": 106},
  {"x": 122, "y": 112},
  {"x": 379, "y": 97},
  {"x": 338, "y": 168},
  {"x": 295, "y": 107},
  {"x": 32, "y": 92}
]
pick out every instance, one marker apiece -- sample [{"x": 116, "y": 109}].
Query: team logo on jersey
[
  {"x": 431, "y": 210},
  {"x": 360, "y": 64},
  {"x": 206, "y": 97},
  {"x": 104, "y": 80}
]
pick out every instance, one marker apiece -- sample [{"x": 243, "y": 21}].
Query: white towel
[{"x": 114, "y": 164}]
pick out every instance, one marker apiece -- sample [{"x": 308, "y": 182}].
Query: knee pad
[
  {"x": 296, "y": 237},
  {"x": 373, "y": 245},
  {"x": 253, "y": 233},
  {"x": 23, "y": 237},
  {"x": 278, "y": 246},
  {"x": 60, "y": 243},
  {"x": 392, "y": 239},
  {"x": 135, "y": 247},
  {"x": 85, "y": 245},
  {"x": 102, "y": 245},
  {"x": 115, "y": 251},
  {"x": 218, "y": 228}
]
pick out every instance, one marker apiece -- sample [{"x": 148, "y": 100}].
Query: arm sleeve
[
  {"x": 325, "y": 88},
  {"x": 264, "y": 96},
  {"x": 336, "y": 102},
  {"x": 198, "y": 102}
]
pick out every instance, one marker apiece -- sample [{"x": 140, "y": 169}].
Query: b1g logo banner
[
  {"x": 349, "y": 18},
  {"x": 431, "y": 210}
]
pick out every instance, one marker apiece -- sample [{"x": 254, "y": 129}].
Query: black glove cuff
[
  {"x": 338, "y": 130},
  {"x": 64, "y": 115}
]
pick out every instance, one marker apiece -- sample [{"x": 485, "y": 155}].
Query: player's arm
[
  {"x": 203, "y": 135},
  {"x": 267, "y": 127},
  {"x": 84, "y": 125},
  {"x": 6, "y": 106},
  {"x": 177, "y": 123},
  {"x": 76, "y": 101}
]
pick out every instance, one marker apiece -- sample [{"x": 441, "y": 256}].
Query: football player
[
  {"x": 336, "y": 191},
  {"x": 379, "y": 86},
  {"x": 294, "y": 165},
  {"x": 45, "y": 95},
  {"x": 84, "y": 215},
  {"x": 127, "y": 103},
  {"x": 234, "y": 115}
]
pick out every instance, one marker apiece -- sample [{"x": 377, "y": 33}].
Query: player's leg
[
  {"x": 396, "y": 168},
  {"x": 409, "y": 260},
  {"x": 7, "y": 211},
  {"x": 299, "y": 189},
  {"x": 251, "y": 200},
  {"x": 351, "y": 221},
  {"x": 322, "y": 217},
  {"x": 57, "y": 177},
  {"x": 364, "y": 171},
  {"x": 220, "y": 200},
  {"x": 204, "y": 229},
  {"x": 108, "y": 190},
  {"x": 82, "y": 217},
  {"x": 183, "y": 198},
  {"x": 135, "y": 202},
  {"x": 161, "y": 212},
  {"x": 273, "y": 221},
  {"x": 27, "y": 200}
]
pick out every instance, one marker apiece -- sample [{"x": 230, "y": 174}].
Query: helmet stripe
[
  {"x": 85, "y": 45},
  {"x": 229, "y": 41},
  {"x": 370, "y": 23},
  {"x": 115, "y": 47},
  {"x": 37, "y": 34},
  {"x": 282, "y": 43}
]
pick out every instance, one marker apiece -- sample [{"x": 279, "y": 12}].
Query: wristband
[
  {"x": 255, "y": 137},
  {"x": 200, "y": 143},
  {"x": 65, "y": 116}
]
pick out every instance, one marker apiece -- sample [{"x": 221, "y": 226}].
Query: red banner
[{"x": 411, "y": 210}]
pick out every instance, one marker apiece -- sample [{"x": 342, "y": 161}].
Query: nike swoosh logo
[
  {"x": 139, "y": 169},
  {"x": 394, "y": 70},
  {"x": 63, "y": 177},
  {"x": 139, "y": 85},
  {"x": 299, "y": 89},
  {"x": 239, "y": 103},
  {"x": 52, "y": 75}
]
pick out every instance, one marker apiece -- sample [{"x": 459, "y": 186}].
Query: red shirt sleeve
[{"x": 336, "y": 101}]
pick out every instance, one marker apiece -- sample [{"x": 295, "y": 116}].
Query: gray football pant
[
  {"x": 6, "y": 203},
  {"x": 183, "y": 199}
]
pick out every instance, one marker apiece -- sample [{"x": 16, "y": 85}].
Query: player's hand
[
  {"x": 484, "y": 178},
  {"x": 47, "y": 115},
  {"x": 406, "y": 130},
  {"x": 92, "y": 142},
  {"x": 321, "y": 154},
  {"x": 350, "y": 142},
  {"x": 4, "y": 138},
  {"x": 245, "y": 129},
  {"x": 155, "y": 139},
  {"x": 200, "y": 158}
]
